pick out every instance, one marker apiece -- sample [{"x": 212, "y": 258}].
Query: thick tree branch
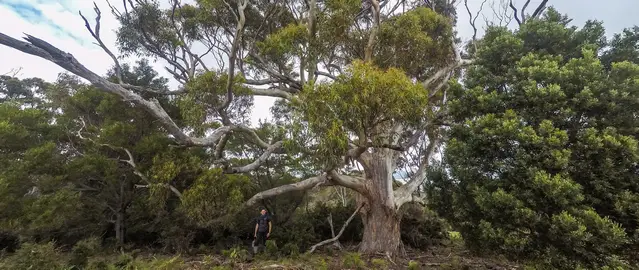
[
  {"x": 326, "y": 74},
  {"x": 341, "y": 231},
  {"x": 153, "y": 91},
  {"x": 239, "y": 31},
  {"x": 352, "y": 182},
  {"x": 271, "y": 93},
  {"x": 372, "y": 38},
  {"x": 512, "y": 6},
  {"x": 540, "y": 9},
  {"x": 306, "y": 184},
  {"x": 259, "y": 161}
]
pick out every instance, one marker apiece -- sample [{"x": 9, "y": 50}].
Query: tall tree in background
[
  {"x": 364, "y": 81},
  {"x": 543, "y": 148}
]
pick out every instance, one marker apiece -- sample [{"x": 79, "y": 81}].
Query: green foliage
[
  {"x": 422, "y": 228},
  {"x": 541, "y": 153},
  {"x": 34, "y": 256},
  {"x": 214, "y": 195},
  {"x": 379, "y": 264},
  {"x": 291, "y": 250},
  {"x": 353, "y": 260},
  {"x": 236, "y": 254},
  {"x": 83, "y": 250},
  {"x": 364, "y": 102},
  {"x": 271, "y": 249},
  {"x": 413, "y": 265},
  {"x": 288, "y": 40},
  {"x": 206, "y": 93},
  {"x": 417, "y": 34}
]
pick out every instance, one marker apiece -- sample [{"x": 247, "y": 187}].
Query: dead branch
[
  {"x": 501, "y": 13},
  {"x": 13, "y": 72},
  {"x": 522, "y": 18},
  {"x": 348, "y": 221},
  {"x": 473, "y": 19},
  {"x": 330, "y": 222},
  {"x": 95, "y": 32}
]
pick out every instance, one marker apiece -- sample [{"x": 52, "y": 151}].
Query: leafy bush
[
  {"x": 354, "y": 260},
  {"x": 379, "y": 264},
  {"x": 271, "y": 249},
  {"x": 236, "y": 254},
  {"x": 34, "y": 256},
  {"x": 421, "y": 228},
  {"x": 413, "y": 265},
  {"x": 82, "y": 250},
  {"x": 291, "y": 250}
]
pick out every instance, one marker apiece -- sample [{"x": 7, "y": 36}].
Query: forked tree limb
[{"x": 327, "y": 241}]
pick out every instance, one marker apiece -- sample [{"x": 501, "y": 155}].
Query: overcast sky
[{"x": 58, "y": 23}]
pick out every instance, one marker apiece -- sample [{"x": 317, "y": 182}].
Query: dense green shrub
[
  {"x": 543, "y": 151},
  {"x": 35, "y": 256},
  {"x": 422, "y": 228},
  {"x": 353, "y": 260},
  {"x": 82, "y": 250}
]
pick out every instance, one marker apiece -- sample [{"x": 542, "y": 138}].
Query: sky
[{"x": 59, "y": 23}]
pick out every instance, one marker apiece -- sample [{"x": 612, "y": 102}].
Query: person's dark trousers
[{"x": 260, "y": 241}]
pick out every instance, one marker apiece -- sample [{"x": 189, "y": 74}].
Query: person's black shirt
[{"x": 262, "y": 223}]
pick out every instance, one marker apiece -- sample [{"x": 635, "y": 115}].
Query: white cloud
[{"x": 59, "y": 23}]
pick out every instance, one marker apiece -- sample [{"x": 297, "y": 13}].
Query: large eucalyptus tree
[{"x": 363, "y": 82}]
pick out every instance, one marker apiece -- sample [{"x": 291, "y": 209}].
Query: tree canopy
[{"x": 537, "y": 127}]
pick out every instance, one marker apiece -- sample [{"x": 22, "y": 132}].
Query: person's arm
[
  {"x": 269, "y": 228},
  {"x": 257, "y": 225}
]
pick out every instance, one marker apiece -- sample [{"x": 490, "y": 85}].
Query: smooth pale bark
[{"x": 380, "y": 217}]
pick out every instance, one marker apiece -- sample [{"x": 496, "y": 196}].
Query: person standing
[{"x": 263, "y": 228}]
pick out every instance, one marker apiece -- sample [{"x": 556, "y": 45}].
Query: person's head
[{"x": 263, "y": 211}]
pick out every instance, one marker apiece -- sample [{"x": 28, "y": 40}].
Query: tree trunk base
[{"x": 381, "y": 232}]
